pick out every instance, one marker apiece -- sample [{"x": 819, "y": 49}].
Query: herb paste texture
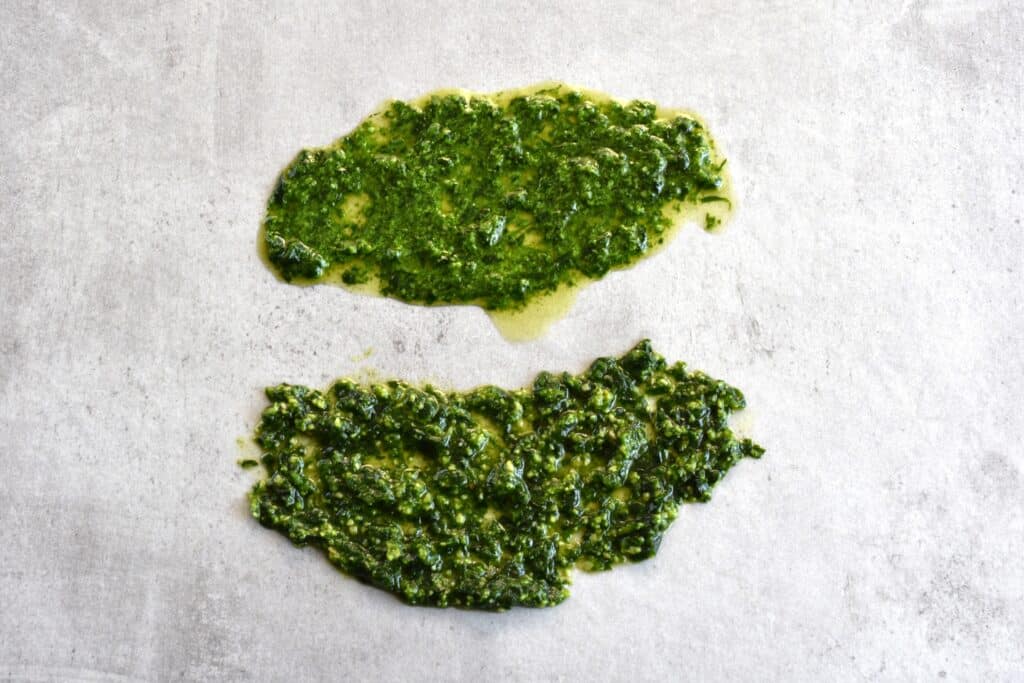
[
  {"x": 487, "y": 498},
  {"x": 489, "y": 200}
]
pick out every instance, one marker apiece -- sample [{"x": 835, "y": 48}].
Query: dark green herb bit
[
  {"x": 462, "y": 200},
  {"x": 487, "y": 498},
  {"x": 247, "y": 463}
]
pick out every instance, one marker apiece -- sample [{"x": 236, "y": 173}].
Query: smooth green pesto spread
[
  {"x": 487, "y": 498},
  {"x": 462, "y": 198}
]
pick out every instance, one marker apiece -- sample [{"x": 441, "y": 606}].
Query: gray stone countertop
[{"x": 867, "y": 298}]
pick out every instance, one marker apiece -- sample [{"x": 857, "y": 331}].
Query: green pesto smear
[
  {"x": 487, "y": 498},
  {"x": 492, "y": 200}
]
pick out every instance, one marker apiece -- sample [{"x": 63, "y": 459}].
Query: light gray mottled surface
[{"x": 868, "y": 299}]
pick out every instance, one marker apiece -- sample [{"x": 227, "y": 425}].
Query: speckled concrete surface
[{"x": 868, "y": 299}]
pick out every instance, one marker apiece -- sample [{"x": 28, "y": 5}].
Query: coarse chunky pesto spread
[
  {"x": 487, "y": 498},
  {"x": 492, "y": 199}
]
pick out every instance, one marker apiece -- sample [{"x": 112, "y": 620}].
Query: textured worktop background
[{"x": 868, "y": 300}]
